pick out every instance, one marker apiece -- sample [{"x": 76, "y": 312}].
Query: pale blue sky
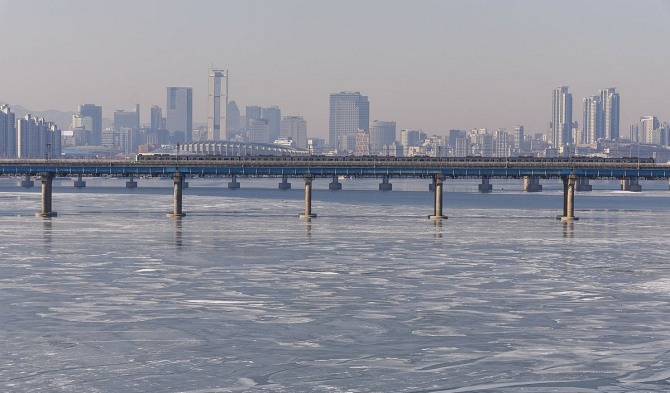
[{"x": 431, "y": 65}]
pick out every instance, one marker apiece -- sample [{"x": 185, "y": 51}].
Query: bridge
[{"x": 573, "y": 172}]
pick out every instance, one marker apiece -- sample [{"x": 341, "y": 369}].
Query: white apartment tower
[
  {"x": 217, "y": 105},
  {"x": 592, "y": 125},
  {"x": 609, "y": 100},
  {"x": 561, "y": 118}
]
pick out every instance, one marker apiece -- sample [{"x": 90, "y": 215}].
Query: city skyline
[{"x": 458, "y": 64}]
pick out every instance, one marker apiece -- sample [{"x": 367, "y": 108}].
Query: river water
[{"x": 371, "y": 296}]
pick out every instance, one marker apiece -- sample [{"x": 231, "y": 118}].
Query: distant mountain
[{"x": 62, "y": 119}]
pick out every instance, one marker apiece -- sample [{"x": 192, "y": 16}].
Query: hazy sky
[{"x": 431, "y": 65}]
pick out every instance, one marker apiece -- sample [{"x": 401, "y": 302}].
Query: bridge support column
[
  {"x": 178, "y": 192},
  {"x": 47, "y": 190},
  {"x": 335, "y": 184},
  {"x": 485, "y": 187},
  {"x": 569, "y": 185},
  {"x": 385, "y": 185},
  {"x": 631, "y": 184},
  {"x": 532, "y": 184},
  {"x": 26, "y": 182},
  {"x": 79, "y": 183},
  {"x": 284, "y": 185},
  {"x": 583, "y": 184},
  {"x": 308, "y": 199},
  {"x": 437, "y": 212},
  {"x": 233, "y": 183},
  {"x": 131, "y": 183}
]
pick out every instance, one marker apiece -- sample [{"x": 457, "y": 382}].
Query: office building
[
  {"x": 349, "y": 112},
  {"x": 251, "y": 112},
  {"x": 180, "y": 114},
  {"x": 273, "y": 117},
  {"x": 233, "y": 124},
  {"x": 561, "y": 118},
  {"x": 95, "y": 113},
  {"x": 217, "y": 104},
  {"x": 382, "y": 136},
  {"x": 259, "y": 131},
  {"x": 295, "y": 128},
  {"x": 411, "y": 138},
  {"x": 156, "y": 118}
]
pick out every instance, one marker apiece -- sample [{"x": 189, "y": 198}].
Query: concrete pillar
[
  {"x": 532, "y": 184},
  {"x": 583, "y": 184},
  {"x": 26, "y": 182},
  {"x": 569, "y": 185},
  {"x": 233, "y": 183},
  {"x": 178, "y": 190},
  {"x": 284, "y": 185},
  {"x": 437, "y": 211},
  {"x": 485, "y": 187},
  {"x": 385, "y": 185},
  {"x": 131, "y": 183},
  {"x": 335, "y": 184},
  {"x": 308, "y": 199},
  {"x": 47, "y": 190},
  {"x": 79, "y": 183},
  {"x": 631, "y": 184}
]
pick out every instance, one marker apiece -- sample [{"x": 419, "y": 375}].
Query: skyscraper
[
  {"x": 95, "y": 113},
  {"x": 349, "y": 112},
  {"x": 273, "y": 116},
  {"x": 232, "y": 119},
  {"x": 592, "y": 125},
  {"x": 295, "y": 127},
  {"x": 156, "y": 118},
  {"x": 217, "y": 104},
  {"x": 180, "y": 114},
  {"x": 609, "y": 100},
  {"x": 561, "y": 118},
  {"x": 382, "y": 134}
]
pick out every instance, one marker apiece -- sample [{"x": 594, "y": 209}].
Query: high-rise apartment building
[
  {"x": 592, "y": 125},
  {"x": 561, "y": 118},
  {"x": 648, "y": 131},
  {"x": 609, "y": 100},
  {"x": 180, "y": 114},
  {"x": 294, "y": 127},
  {"x": 95, "y": 113},
  {"x": 382, "y": 136},
  {"x": 217, "y": 105},
  {"x": 411, "y": 138},
  {"x": 362, "y": 144},
  {"x": 349, "y": 112},
  {"x": 7, "y": 132},
  {"x": 519, "y": 140},
  {"x": 37, "y": 138}
]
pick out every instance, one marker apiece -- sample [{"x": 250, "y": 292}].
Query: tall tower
[
  {"x": 609, "y": 100},
  {"x": 561, "y": 118},
  {"x": 349, "y": 112},
  {"x": 592, "y": 125},
  {"x": 95, "y": 113},
  {"x": 179, "y": 120},
  {"x": 216, "y": 112}
]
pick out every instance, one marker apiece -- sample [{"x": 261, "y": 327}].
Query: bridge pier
[
  {"x": 569, "y": 185},
  {"x": 178, "y": 179},
  {"x": 437, "y": 211},
  {"x": 583, "y": 184},
  {"x": 79, "y": 183},
  {"x": 308, "y": 200},
  {"x": 26, "y": 182},
  {"x": 47, "y": 190},
  {"x": 485, "y": 186},
  {"x": 335, "y": 184},
  {"x": 532, "y": 184},
  {"x": 631, "y": 184},
  {"x": 385, "y": 185},
  {"x": 284, "y": 185},
  {"x": 131, "y": 183},
  {"x": 233, "y": 183}
]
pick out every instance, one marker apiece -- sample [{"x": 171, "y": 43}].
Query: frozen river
[{"x": 371, "y": 296}]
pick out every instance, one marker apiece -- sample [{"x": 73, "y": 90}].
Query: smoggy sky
[{"x": 432, "y": 65}]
